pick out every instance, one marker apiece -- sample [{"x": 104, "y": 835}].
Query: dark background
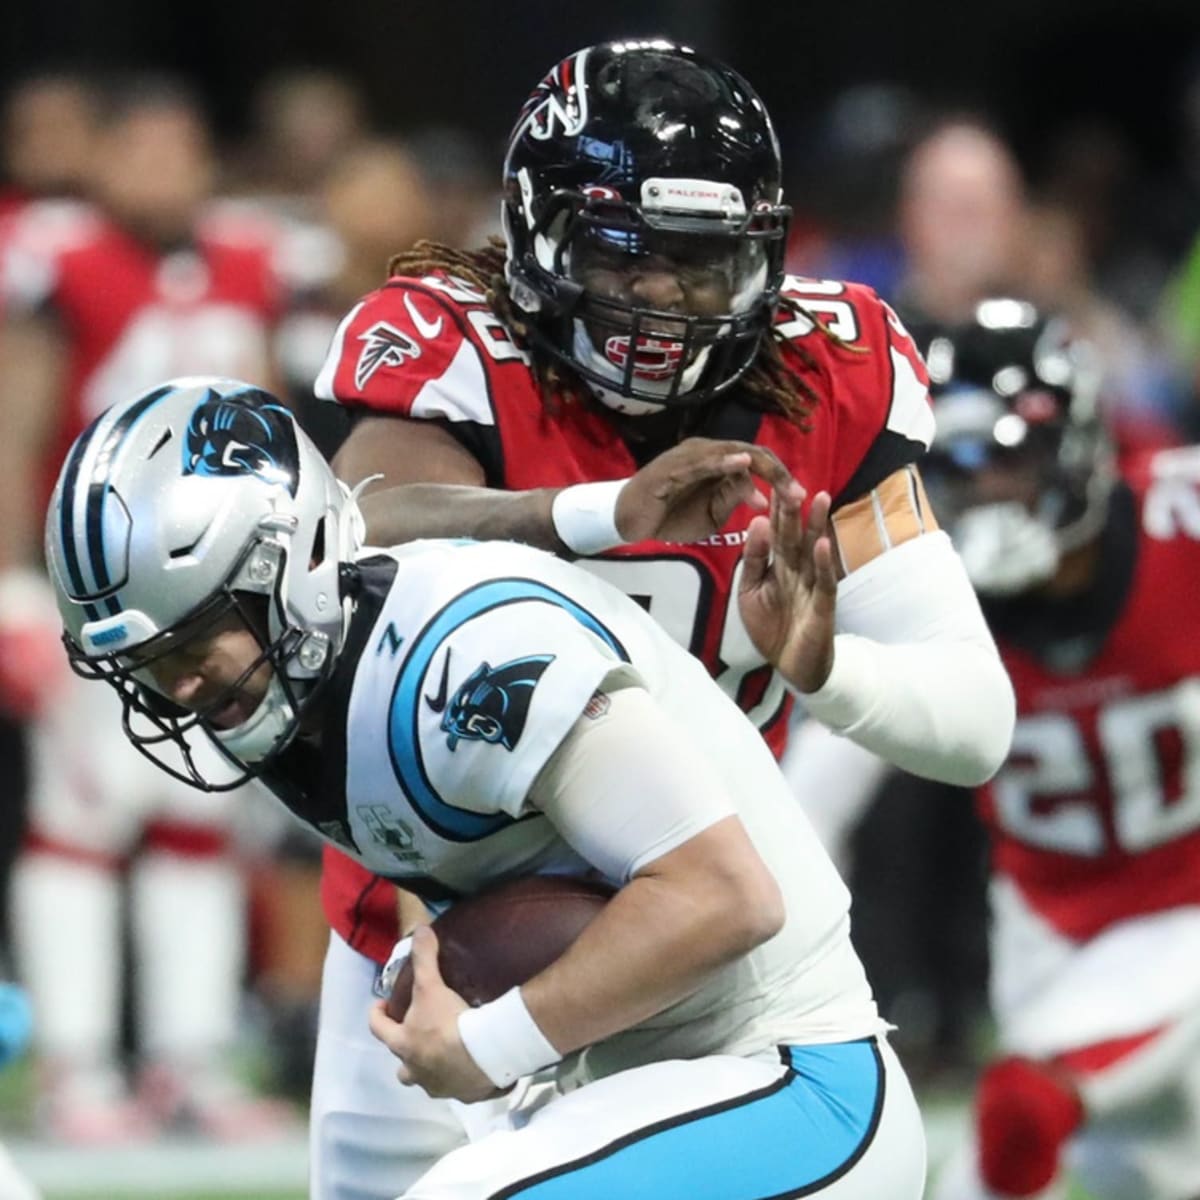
[{"x": 1031, "y": 64}]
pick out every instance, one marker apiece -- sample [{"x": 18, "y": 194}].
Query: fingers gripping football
[
  {"x": 476, "y": 952},
  {"x": 503, "y": 936}
]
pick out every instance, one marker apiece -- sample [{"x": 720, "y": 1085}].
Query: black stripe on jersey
[
  {"x": 888, "y": 453},
  {"x": 484, "y": 444},
  {"x": 311, "y": 782},
  {"x": 757, "y": 1095},
  {"x": 731, "y": 419}
]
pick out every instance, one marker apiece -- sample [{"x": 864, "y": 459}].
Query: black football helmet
[
  {"x": 1021, "y": 467},
  {"x": 641, "y": 156}
]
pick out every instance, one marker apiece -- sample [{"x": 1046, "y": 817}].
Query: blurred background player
[
  {"x": 46, "y": 125},
  {"x": 374, "y": 198},
  {"x": 47, "y": 122},
  {"x": 1084, "y": 570},
  {"x": 960, "y": 217},
  {"x": 302, "y": 122},
  {"x": 100, "y": 299}
]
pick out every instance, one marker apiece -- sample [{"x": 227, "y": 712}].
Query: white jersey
[{"x": 465, "y": 667}]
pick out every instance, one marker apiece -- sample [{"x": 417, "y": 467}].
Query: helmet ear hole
[{"x": 317, "y": 554}]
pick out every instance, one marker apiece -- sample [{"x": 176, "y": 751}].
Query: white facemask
[{"x": 1005, "y": 549}]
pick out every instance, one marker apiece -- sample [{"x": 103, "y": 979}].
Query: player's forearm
[
  {"x": 944, "y": 712},
  {"x": 916, "y": 677},
  {"x": 653, "y": 945},
  {"x": 425, "y": 510}
]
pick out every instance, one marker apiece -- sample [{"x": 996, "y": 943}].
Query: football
[{"x": 504, "y": 935}]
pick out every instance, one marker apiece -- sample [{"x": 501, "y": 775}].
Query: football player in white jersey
[{"x": 458, "y": 713}]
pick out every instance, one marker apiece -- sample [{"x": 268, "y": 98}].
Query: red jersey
[
  {"x": 1096, "y": 814},
  {"x": 433, "y": 349},
  {"x": 133, "y": 315}
]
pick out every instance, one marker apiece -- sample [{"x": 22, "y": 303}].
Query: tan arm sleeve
[{"x": 890, "y": 514}]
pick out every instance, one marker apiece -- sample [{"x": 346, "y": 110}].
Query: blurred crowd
[
  {"x": 166, "y": 937},
  {"x": 161, "y": 935}
]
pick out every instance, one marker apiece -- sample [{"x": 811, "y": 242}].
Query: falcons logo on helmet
[
  {"x": 383, "y": 346},
  {"x": 559, "y": 102}
]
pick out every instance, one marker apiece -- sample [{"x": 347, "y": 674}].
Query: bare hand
[
  {"x": 690, "y": 491},
  {"x": 432, "y": 1054},
  {"x": 788, "y": 591}
]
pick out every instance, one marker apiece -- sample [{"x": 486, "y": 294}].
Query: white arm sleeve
[
  {"x": 626, "y": 787},
  {"x": 916, "y": 675}
]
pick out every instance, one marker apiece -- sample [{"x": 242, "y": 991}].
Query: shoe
[
  {"x": 210, "y": 1102},
  {"x": 90, "y": 1106}
]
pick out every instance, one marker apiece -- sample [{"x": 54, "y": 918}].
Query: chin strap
[{"x": 352, "y": 526}]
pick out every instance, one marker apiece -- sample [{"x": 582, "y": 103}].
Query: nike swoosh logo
[
  {"x": 427, "y": 329},
  {"x": 438, "y": 702}
]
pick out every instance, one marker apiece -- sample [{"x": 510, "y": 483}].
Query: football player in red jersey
[
  {"x": 1086, "y": 571},
  {"x": 100, "y": 299},
  {"x": 604, "y": 383}
]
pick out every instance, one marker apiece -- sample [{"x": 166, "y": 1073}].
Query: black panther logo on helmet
[
  {"x": 492, "y": 703},
  {"x": 246, "y": 433}
]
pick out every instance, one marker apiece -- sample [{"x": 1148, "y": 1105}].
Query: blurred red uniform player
[
  {"x": 100, "y": 300},
  {"x": 1087, "y": 577}
]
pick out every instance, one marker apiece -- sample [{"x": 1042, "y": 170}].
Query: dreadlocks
[{"x": 772, "y": 380}]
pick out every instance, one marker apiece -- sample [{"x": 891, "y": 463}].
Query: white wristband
[
  {"x": 504, "y": 1040},
  {"x": 585, "y": 516}
]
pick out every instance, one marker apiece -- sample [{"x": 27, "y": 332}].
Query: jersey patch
[
  {"x": 383, "y": 346},
  {"x": 493, "y": 702}
]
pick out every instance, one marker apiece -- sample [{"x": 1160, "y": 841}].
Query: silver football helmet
[{"x": 195, "y": 500}]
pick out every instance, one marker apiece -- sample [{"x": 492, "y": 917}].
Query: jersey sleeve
[
  {"x": 407, "y": 350},
  {"x": 868, "y": 373},
  {"x": 900, "y": 403},
  {"x": 505, "y": 671}
]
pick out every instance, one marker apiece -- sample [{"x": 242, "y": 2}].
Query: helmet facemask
[
  {"x": 164, "y": 731},
  {"x": 589, "y": 256},
  {"x": 1020, "y": 469},
  {"x": 1016, "y": 495}
]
